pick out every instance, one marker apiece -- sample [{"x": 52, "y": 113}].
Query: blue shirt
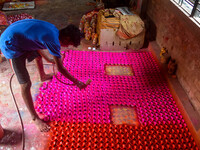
[{"x": 29, "y": 35}]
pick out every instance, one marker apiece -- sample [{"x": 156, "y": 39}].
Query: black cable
[
  {"x": 17, "y": 108},
  {"x": 63, "y": 57},
  {"x": 23, "y": 135}
]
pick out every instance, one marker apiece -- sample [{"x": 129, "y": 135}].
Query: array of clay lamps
[{"x": 81, "y": 119}]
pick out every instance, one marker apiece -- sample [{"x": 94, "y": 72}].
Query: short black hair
[{"x": 72, "y": 32}]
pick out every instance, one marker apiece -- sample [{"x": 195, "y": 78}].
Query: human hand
[{"x": 81, "y": 85}]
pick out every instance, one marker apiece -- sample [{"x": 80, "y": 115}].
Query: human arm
[
  {"x": 63, "y": 71},
  {"x": 45, "y": 55}
]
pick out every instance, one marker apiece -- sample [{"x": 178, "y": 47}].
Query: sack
[{"x": 130, "y": 26}]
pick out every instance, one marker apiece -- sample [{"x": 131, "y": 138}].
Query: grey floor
[{"x": 58, "y": 12}]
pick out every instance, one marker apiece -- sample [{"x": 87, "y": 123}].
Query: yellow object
[
  {"x": 88, "y": 34},
  {"x": 106, "y": 23},
  {"x": 163, "y": 51},
  {"x": 94, "y": 38},
  {"x": 86, "y": 26},
  {"x": 163, "y": 55}
]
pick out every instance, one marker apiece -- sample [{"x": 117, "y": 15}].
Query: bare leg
[
  {"x": 42, "y": 74},
  {"x": 26, "y": 94}
]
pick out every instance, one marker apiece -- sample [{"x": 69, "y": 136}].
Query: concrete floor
[{"x": 61, "y": 13}]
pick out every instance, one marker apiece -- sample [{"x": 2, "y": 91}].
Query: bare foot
[
  {"x": 46, "y": 77},
  {"x": 43, "y": 127}
]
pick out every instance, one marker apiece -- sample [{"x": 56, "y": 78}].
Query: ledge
[{"x": 190, "y": 115}]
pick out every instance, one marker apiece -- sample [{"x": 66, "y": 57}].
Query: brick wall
[{"x": 182, "y": 39}]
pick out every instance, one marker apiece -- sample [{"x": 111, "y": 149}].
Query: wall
[{"x": 182, "y": 39}]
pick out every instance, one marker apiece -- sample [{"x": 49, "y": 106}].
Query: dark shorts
[{"x": 19, "y": 66}]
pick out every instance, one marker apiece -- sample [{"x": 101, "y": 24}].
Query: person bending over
[{"x": 26, "y": 40}]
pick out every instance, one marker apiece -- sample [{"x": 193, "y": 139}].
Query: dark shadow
[
  {"x": 11, "y": 137},
  {"x": 151, "y": 31},
  {"x": 116, "y": 3}
]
